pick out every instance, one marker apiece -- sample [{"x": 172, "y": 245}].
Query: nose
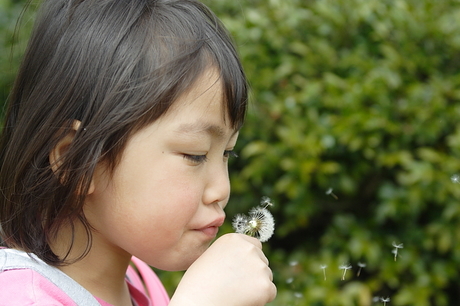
[{"x": 218, "y": 186}]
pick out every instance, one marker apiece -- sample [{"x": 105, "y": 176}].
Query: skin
[{"x": 164, "y": 203}]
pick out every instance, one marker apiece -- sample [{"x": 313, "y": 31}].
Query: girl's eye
[
  {"x": 230, "y": 153},
  {"x": 196, "y": 159}
]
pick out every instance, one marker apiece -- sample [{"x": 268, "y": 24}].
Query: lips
[
  {"x": 212, "y": 228},
  {"x": 210, "y": 231}
]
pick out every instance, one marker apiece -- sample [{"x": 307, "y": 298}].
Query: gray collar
[{"x": 13, "y": 259}]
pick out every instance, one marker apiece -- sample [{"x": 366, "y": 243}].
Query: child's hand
[{"x": 232, "y": 272}]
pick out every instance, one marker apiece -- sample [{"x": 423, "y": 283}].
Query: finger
[
  {"x": 265, "y": 259},
  {"x": 270, "y": 274},
  {"x": 258, "y": 244},
  {"x": 272, "y": 292},
  {"x": 261, "y": 256},
  {"x": 252, "y": 240}
]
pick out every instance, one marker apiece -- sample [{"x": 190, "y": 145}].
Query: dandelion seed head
[
  {"x": 264, "y": 221},
  {"x": 260, "y": 224},
  {"x": 254, "y": 224},
  {"x": 239, "y": 223},
  {"x": 387, "y": 299}
]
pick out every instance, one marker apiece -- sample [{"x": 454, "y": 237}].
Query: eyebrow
[{"x": 200, "y": 127}]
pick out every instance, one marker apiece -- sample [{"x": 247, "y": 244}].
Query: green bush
[
  {"x": 359, "y": 100},
  {"x": 15, "y": 26}
]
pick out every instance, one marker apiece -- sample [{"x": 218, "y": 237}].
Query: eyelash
[
  {"x": 198, "y": 159},
  {"x": 230, "y": 153}
]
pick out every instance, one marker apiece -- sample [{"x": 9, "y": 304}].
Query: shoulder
[{"x": 27, "y": 287}]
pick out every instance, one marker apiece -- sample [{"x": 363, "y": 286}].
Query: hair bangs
[{"x": 179, "y": 50}]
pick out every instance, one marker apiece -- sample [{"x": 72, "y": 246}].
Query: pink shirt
[{"x": 27, "y": 287}]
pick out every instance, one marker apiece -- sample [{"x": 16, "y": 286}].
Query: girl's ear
[{"x": 57, "y": 154}]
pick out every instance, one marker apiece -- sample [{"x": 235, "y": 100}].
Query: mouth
[{"x": 211, "y": 229}]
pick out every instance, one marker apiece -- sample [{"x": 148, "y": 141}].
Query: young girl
[{"x": 116, "y": 141}]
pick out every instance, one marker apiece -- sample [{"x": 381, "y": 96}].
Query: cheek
[
  {"x": 165, "y": 208},
  {"x": 147, "y": 211},
  {"x": 164, "y": 240},
  {"x": 164, "y": 213}
]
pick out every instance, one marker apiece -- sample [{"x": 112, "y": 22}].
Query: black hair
[{"x": 115, "y": 66}]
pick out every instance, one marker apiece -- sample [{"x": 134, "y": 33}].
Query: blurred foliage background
[{"x": 353, "y": 132}]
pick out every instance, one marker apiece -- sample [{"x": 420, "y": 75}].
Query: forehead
[
  {"x": 200, "y": 112},
  {"x": 205, "y": 102},
  {"x": 208, "y": 83},
  {"x": 201, "y": 127}
]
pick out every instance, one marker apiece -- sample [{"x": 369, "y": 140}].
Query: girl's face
[{"x": 164, "y": 202}]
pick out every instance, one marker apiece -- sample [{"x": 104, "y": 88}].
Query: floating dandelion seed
[
  {"x": 385, "y": 300},
  {"x": 323, "y": 267},
  {"x": 290, "y": 280},
  {"x": 265, "y": 202},
  {"x": 375, "y": 299},
  {"x": 329, "y": 192},
  {"x": 396, "y": 248},
  {"x": 361, "y": 265},
  {"x": 455, "y": 179},
  {"x": 259, "y": 224},
  {"x": 298, "y": 295},
  {"x": 345, "y": 268}
]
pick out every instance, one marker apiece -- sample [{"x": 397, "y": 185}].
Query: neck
[
  {"x": 102, "y": 271},
  {"x": 102, "y": 279}
]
